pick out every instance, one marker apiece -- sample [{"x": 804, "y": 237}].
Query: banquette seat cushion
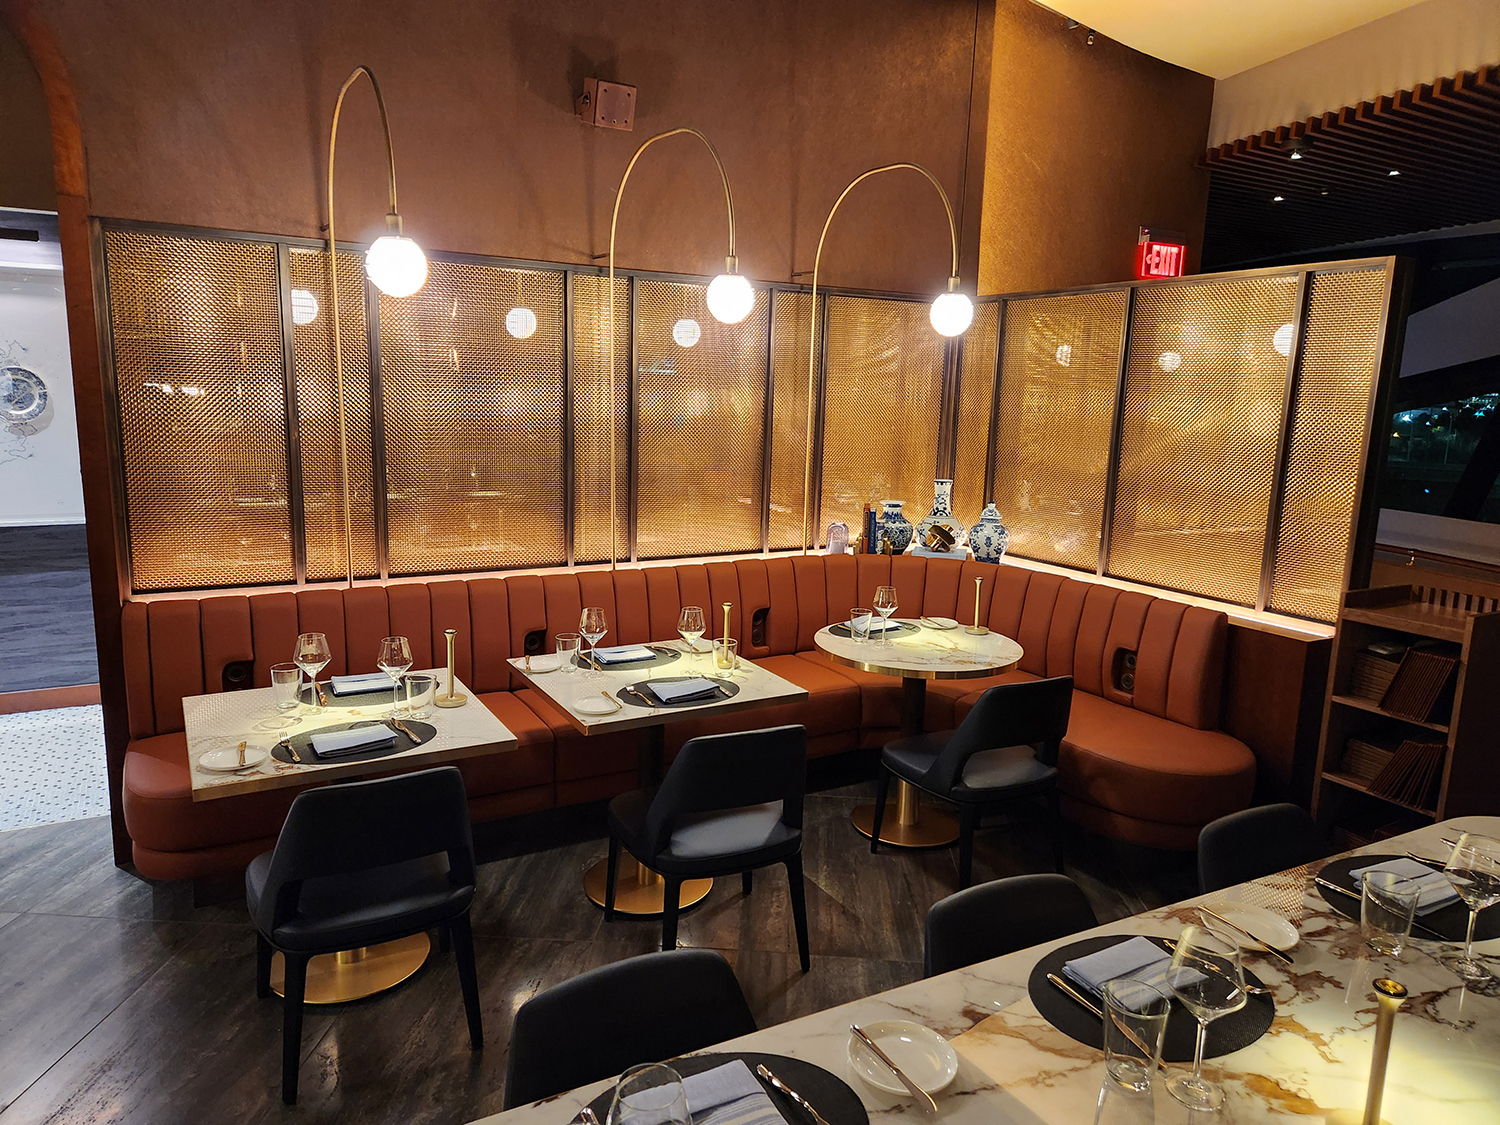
[{"x": 1143, "y": 760}]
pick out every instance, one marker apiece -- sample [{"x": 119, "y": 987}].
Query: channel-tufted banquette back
[{"x": 1155, "y": 655}]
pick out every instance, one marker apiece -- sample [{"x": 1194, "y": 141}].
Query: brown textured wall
[
  {"x": 1085, "y": 145},
  {"x": 25, "y": 140}
]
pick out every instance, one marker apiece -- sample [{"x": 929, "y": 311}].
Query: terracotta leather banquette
[{"x": 1142, "y": 762}]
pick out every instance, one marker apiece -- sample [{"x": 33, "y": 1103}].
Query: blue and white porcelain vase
[
  {"x": 988, "y": 538},
  {"x": 893, "y": 526},
  {"x": 942, "y": 512}
]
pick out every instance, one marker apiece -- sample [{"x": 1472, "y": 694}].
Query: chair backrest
[
  {"x": 340, "y": 829},
  {"x": 1256, "y": 842},
  {"x": 1001, "y": 917},
  {"x": 730, "y": 771},
  {"x": 643, "y": 1009},
  {"x": 1025, "y": 714}
]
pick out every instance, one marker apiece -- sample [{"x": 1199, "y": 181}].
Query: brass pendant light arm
[
  {"x": 393, "y": 222},
  {"x": 730, "y": 262},
  {"x": 812, "y": 348}
]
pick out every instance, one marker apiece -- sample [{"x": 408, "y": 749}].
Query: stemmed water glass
[
  {"x": 394, "y": 660},
  {"x": 312, "y": 656},
  {"x": 1474, "y": 871},
  {"x": 652, "y": 1094},
  {"x": 885, "y": 605},
  {"x": 1207, "y": 977},
  {"x": 690, "y": 625},
  {"x": 592, "y": 625}
]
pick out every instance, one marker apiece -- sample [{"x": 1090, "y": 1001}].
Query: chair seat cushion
[
  {"x": 748, "y": 837},
  {"x": 366, "y": 908},
  {"x": 987, "y": 775}
]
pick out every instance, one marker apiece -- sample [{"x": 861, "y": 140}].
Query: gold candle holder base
[
  {"x": 450, "y": 700},
  {"x": 976, "y": 630}
]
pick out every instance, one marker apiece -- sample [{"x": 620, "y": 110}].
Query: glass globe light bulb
[
  {"x": 396, "y": 265},
  {"x": 952, "y": 313},
  {"x": 520, "y": 322},
  {"x": 730, "y": 298}
]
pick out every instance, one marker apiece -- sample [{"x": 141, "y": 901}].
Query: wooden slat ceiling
[{"x": 1443, "y": 139}]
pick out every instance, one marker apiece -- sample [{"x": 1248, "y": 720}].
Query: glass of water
[
  {"x": 859, "y": 624},
  {"x": 285, "y": 680},
  {"x": 1135, "y": 1021},
  {"x": 1388, "y": 903},
  {"x": 567, "y": 651},
  {"x": 419, "y": 691}
]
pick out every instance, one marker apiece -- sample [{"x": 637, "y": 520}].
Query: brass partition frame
[{"x": 978, "y": 394}]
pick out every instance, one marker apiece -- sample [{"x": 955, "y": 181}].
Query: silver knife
[
  {"x": 1281, "y": 955},
  {"x": 922, "y": 1096},
  {"x": 762, "y": 1070}
]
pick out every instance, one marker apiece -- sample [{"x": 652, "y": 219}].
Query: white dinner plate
[
  {"x": 540, "y": 664},
  {"x": 1266, "y": 925},
  {"x": 595, "y": 705},
  {"x": 941, "y": 624},
  {"x": 922, "y": 1053},
  {"x": 227, "y": 759}
]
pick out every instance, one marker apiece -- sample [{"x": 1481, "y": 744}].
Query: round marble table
[{"x": 927, "y": 654}]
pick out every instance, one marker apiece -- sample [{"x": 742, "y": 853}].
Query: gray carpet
[{"x": 46, "y": 616}]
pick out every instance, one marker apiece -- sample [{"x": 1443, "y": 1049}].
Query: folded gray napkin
[
  {"x": 622, "y": 654},
  {"x": 1140, "y": 960},
  {"x": 878, "y": 624},
  {"x": 1435, "y": 890},
  {"x": 335, "y": 744},
  {"x": 726, "y": 1095},
  {"x": 678, "y": 691},
  {"x": 361, "y": 684}
]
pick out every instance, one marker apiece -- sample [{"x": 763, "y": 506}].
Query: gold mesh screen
[
  {"x": 699, "y": 423},
  {"x": 473, "y": 421},
  {"x": 1334, "y": 379},
  {"x": 317, "y": 412},
  {"x": 791, "y": 324},
  {"x": 196, "y": 325},
  {"x": 881, "y": 407},
  {"x": 1201, "y": 424},
  {"x": 592, "y": 417},
  {"x": 976, "y": 399},
  {"x": 1058, "y": 380}
]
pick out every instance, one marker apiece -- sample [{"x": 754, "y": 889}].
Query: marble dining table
[{"x": 1016, "y": 1069}]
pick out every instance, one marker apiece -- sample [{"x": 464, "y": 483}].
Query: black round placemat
[
  {"x": 663, "y": 655},
  {"x": 728, "y": 689},
  {"x": 829, "y": 1094},
  {"x": 903, "y": 628},
  {"x": 1452, "y": 921},
  {"x": 1225, "y": 1034},
  {"x": 384, "y": 698},
  {"x": 302, "y": 740}
]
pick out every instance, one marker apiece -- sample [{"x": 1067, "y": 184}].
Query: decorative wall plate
[{"x": 23, "y": 395}]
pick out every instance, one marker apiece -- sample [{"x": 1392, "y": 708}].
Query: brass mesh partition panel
[
  {"x": 594, "y": 417},
  {"x": 1199, "y": 435},
  {"x": 699, "y": 423},
  {"x": 1058, "y": 381},
  {"x": 474, "y": 420},
  {"x": 198, "y": 363},
  {"x": 881, "y": 404},
  {"x": 791, "y": 323},
  {"x": 976, "y": 400},
  {"x": 1334, "y": 380},
  {"x": 317, "y": 412}
]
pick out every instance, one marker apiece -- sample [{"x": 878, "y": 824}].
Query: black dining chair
[
  {"x": 1255, "y": 842},
  {"x": 1002, "y": 916},
  {"x": 730, "y": 803},
  {"x": 359, "y": 864},
  {"x": 1004, "y": 751},
  {"x": 643, "y": 1009}
]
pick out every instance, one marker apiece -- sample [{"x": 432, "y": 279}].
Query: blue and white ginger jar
[
  {"x": 988, "y": 538},
  {"x": 893, "y": 525}
]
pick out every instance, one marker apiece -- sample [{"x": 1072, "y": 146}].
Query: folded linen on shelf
[
  {"x": 338, "y": 743},
  {"x": 1435, "y": 890},
  {"x": 679, "y": 691},
  {"x": 622, "y": 654},
  {"x": 362, "y": 684}
]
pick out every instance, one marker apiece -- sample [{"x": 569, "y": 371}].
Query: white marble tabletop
[
  {"x": 1016, "y": 1069},
  {"x": 939, "y": 650},
  {"x": 569, "y": 688},
  {"x": 224, "y": 718}
]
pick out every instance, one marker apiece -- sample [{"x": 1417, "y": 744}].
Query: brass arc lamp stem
[
  {"x": 393, "y": 221},
  {"x": 614, "y": 539},
  {"x": 812, "y": 347}
]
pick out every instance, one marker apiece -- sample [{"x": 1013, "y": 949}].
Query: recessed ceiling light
[
  {"x": 1393, "y": 172},
  {"x": 1295, "y": 155},
  {"x": 1323, "y": 192},
  {"x": 1278, "y": 199}
]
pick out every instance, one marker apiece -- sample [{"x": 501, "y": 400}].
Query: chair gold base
[
  {"x": 337, "y": 978},
  {"x": 639, "y": 891},
  {"x": 907, "y": 826}
]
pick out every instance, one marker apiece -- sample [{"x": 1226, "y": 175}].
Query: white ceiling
[{"x": 1223, "y": 37}]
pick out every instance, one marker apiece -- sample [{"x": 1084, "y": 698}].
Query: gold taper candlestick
[
  {"x": 976, "y": 629},
  {"x": 727, "y": 607},
  {"x": 452, "y": 699},
  {"x": 1390, "y": 995}
]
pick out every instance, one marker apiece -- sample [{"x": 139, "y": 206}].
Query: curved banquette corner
[{"x": 1142, "y": 762}]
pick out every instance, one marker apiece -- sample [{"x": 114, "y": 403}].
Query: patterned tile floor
[{"x": 52, "y": 766}]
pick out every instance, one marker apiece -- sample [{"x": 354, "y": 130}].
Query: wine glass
[
  {"x": 649, "y": 1095},
  {"x": 394, "y": 660},
  {"x": 885, "y": 605},
  {"x": 312, "y": 656},
  {"x": 1207, "y": 978},
  {"x": 592, "y": 625},
  {"x": 1474, "y": 871},
  {"x": 690, "y": 625}
]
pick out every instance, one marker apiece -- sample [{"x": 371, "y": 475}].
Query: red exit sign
[{"x": 1160, "y": 253}]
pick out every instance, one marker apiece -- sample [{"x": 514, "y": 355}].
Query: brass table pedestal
[
  {"x": 910, "y": 826},
  {"x": 639, "y": 890},
  {"x": 353, "y": 974}
]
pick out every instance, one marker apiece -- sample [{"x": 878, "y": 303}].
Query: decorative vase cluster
[{"x": 988, "y": 539}]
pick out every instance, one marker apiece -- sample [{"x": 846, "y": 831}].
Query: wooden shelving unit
[{"x": 1465, "y": 613}]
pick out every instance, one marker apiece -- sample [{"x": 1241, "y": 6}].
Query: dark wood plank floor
[
  {"x": 47, "y": 617},
  {"x": 121, "y": 1002}
]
